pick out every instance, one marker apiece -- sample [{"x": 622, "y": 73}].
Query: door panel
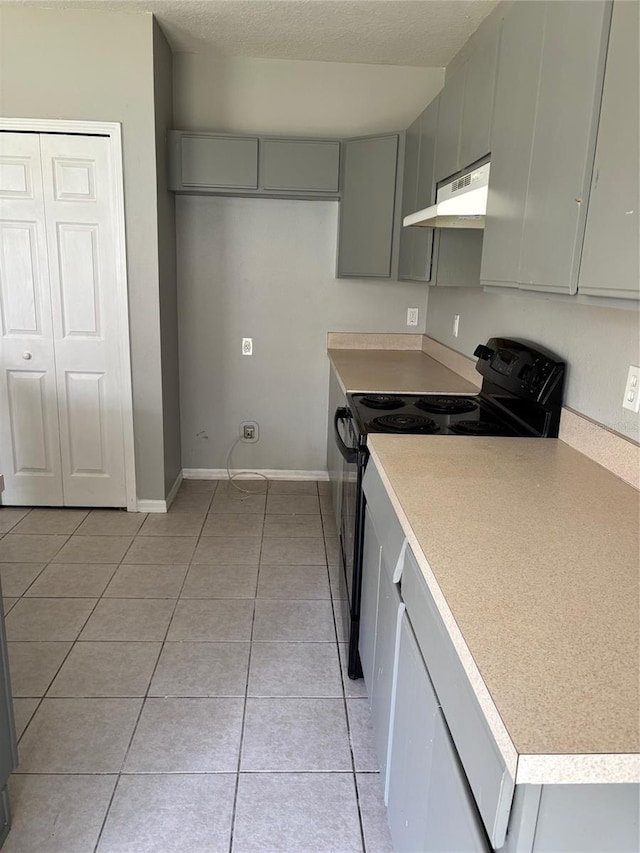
[
  {"x": 29, "y": 435},
  {"x": 80, "y": 230}
]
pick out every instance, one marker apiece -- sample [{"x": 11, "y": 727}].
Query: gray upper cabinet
[
  {"x": 479, "y": 91},
  {"x": 610, "y": 253},
  {"x": 550, "y": 71},
  {"x": 409, "y": 196},
  {"x": 569, "y": 94},
  {"x": 369, "y": 225},
  {"x": 300, "y": 165},
  {"x": 512, "y": 139},
  {"x": 203, "y": 161},
  {"x": 447, "y": 158}
]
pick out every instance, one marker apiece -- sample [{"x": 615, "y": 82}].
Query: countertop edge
[{"x": 539, "y": 769}]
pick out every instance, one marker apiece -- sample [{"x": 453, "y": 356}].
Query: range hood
[{"x": 461, "y": 203}]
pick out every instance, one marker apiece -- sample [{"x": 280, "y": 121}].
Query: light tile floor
[{"x": 178, "y": 679}]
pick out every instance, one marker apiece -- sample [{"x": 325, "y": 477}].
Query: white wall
[
  {"x": 272, "y": 96},
  {"x": 98, "y": 66},
  {"x": 598, "y": 343},
  {"x": 264, "y": 269}
]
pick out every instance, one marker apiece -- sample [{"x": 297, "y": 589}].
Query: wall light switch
[
  {"x": 247, "y": 346},
  {"x": 632, "y": 390},
  {"x": 412, "y": 316}
]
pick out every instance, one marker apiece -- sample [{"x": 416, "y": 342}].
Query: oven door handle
[{"x": 350, "y": 453}]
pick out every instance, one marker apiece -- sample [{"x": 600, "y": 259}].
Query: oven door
[{"x": 354, "y": 460}]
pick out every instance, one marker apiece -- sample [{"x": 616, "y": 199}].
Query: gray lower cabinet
[
  {"x": 369, "y": 224},
  {"x": 611, "y": 251},
  {"x": 550, "y": 73},
  {"x": 201, "y": 161},
  {"x": 300, "y": 165}
]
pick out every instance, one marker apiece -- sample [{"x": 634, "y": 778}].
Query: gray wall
[
  {"x": 98, "y": 66},
  {"x": 598, "y": 343},
  {"x": 264, "y": 269},
  {"x": 167, "y": 278}
]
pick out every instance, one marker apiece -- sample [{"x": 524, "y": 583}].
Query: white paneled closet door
[{"x": 85, "y": 365}]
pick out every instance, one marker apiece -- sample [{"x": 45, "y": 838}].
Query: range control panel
[{"x": 520, "y": 368}]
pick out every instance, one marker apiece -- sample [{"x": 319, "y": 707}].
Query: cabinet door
[
  {"x": 414, "y": 721},
  {"x": 569, "y": 94},
  {"x": 300, "y": 165},
  {"x": 367, "y": 208},
  {"x": 450, "y": 125},
  {"x": 479, "y": 92},
  {"x": 409, "y": 197},
  {"x": 456, "y": 257},
  {"x": 384, "y": 660},
  {"x": 421, "y": 267},
  {"x": 208, "y": 161},
  {"x": 372, "y": 553},
  {"x": 451, "y": 819},
  {"x": 610, "y": 254},
  {"x": 511, "y": 141}
]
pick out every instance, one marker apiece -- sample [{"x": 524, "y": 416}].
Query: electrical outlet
[
  {"x": 456, "y": 325},
  {"x": 632, "y": 390},
  {"x": 247, "y": 346},
  {"x": 412, "y": 316},
  {"x": 249, "y": 431}
]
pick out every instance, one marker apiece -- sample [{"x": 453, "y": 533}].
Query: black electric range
[{"x": 521, "y": 396}]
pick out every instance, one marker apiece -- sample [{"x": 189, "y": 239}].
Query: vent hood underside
[{"x": 459, "y": 204}]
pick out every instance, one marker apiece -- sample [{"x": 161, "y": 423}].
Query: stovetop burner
[
  {"x": 478, "y": 428},
  {"x": 446, "y": 405},
  {"x": 405, "y": 423},
  {"x": 383, "y": 401}
]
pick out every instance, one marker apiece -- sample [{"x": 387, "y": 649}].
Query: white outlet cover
[
  {"x": 247, "y": 346},
  {"x": 412, "y": 316},
  {"x": 631, "y": 399}
]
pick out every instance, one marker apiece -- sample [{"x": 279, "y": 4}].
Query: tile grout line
[
  {"x": 344, "y": 692},
  {"x": 153, "y": 672},
  {"x": 246, "y": 688}
]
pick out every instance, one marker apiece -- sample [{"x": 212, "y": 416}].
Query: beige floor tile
[
  {"x": 15, "y": 548},
  {"x": 206, "y": 487},
  {"x": 289, "y": 582},
  {"x": 375, "y": 826},
  {"x": 293, "y": 505},
  {"x": 94, "y": 549},
  {"x": 133, "y": 619},
  {"x": 196, "y": 502},
  {"x": 172, "y": 550},
  {"x": 178, "y": 813},
  {"x": 173, "y": 524},
  {"x": 338, "y": 586},
  {"x": 48, "y": 619},
  {"x": 33, "y": 666},
  {"x": 293, "y": 487},
  {"x": 295, "y": 669},
  {"x": 232, "y": 503},
  {"x": 18, "y": 577},
  {"x": 295, "y": 812},
  {"x": 221, "y": 621},
  {"x": 233, "y": 525},
  {"x": 23, "y": 711},
  {"x": 78, "y": 736},
  {"x": 51, "y": 521},
  {"x": 293, "y": 526},
  {"x": 201, "y": 669},
  {"x": 293, "y": 622},
  {"x": 333, "y": 550},
  {"x": 72, "y": 580},
  {"x": 324, "y": 487},
  {"x": 363, "y": 745},
  {"x": 291, "y": 734},
  {"x": 186, "y": 736},
  {"x": 111, "y": 522},
  {"x": 106, "y": 669},
  {"x": 326, "y": 504},
  {"x": 228, "y": 551},
  {"x": 57, "y": 814},
  {"x": 8, "y": 603},
  {"x": 341, "y": 626},
  {"x": 146, "y": 581},
  {"x": 220, "y": 581},
  {"x": 292, "y": 552}
]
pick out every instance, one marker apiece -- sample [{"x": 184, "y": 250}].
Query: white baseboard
[
  {"x": 161, "y": 506},
  {"x": 270, "y": 473}
]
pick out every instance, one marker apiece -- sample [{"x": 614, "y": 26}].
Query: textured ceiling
[{"x": 385, "y": 32}]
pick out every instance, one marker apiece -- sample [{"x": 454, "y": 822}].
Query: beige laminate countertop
[
  {"x": 530, "y": 551},
  {"x": 395, "y": 372}
]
